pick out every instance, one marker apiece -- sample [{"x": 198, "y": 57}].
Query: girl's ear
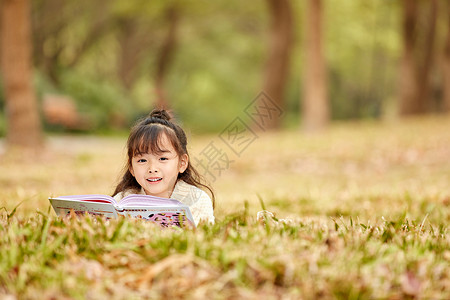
[{"x": 184, "y": 163}]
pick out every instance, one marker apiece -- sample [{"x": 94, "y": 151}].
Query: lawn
[{"x": 358, "y": 212}]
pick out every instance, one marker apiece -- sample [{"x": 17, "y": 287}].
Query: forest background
[{"x": 99, "y": 65}]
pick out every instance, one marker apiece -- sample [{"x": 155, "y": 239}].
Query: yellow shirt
[{"x": 198, "y": 200}]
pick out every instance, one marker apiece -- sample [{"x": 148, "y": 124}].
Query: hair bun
[{"x": 160, "y": 114}]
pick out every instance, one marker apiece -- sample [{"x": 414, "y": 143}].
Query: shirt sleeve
[
  {"x": 202, "y": 209},
  {"x": 198, "y": 201}
]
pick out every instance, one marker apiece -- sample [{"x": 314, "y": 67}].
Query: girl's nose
[{"x": 152, "y": 169}]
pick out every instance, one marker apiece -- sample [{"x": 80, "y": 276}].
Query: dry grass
[{"x": 361, "y": 211}]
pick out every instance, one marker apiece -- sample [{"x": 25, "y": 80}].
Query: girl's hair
[{"x": 146, "y": 137}]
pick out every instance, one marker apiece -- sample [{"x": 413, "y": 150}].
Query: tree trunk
[
  {"x": 23, "y": 123},
  {"x": 417, "y": 58},
  {"x": 446, "y": 66},
  {"x": 316, "y": 111},
  {"x": 277, "y": 67},
  {"x": 165, "y": 57},
  {"x": 130, "y": 51},
  {"x": 47, "y": 24},
  {"x": 408, "y": 73},
  {"x": 426, "y": 63}
]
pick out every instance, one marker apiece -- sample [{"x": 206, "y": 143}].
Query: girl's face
[{"x": 157, "y": 173}]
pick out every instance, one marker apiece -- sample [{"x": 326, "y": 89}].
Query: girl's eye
[
  {"x": 163, "y": 158},
  {"x": 141, "y": 160}
]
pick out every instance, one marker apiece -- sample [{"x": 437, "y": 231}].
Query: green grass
[{"x": 359, "y": 212}]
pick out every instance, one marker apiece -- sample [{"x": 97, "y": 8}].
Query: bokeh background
[
  {"x": 75, "y": 75},
  {"x": 105, "y": 63}
]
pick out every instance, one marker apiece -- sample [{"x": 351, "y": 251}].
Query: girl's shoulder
[{"x": 188, "y": 193}]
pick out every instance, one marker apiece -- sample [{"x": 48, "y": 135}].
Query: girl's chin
[{"x": 158, "y": 189}]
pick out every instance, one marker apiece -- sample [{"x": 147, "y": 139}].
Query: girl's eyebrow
[
  {"x": 159, "y": 151},
  {"x": 164, "y": 151}
]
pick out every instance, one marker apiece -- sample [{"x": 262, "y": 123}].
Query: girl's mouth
[{"x": 154, "y": 179}]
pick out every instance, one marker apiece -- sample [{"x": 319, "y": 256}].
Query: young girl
[{"x": 158, "y": 165}]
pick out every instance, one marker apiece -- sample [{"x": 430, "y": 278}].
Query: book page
[
  {"x": 147, "y": 200},
  {"x": 91, "y": 198},
  {"x": 63, "y": 207},
  {"x": 163, "y": 215}
]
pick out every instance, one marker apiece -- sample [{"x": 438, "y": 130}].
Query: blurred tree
[
  {"x": 69, "y": 35},
  {"x": 101, "y": 25},
  {"x": 24, "y": 126},
  {"x": 47, "y": 21},
  {"x": 316, "y": 111},
  {"x": 419, "y": 28},
  {"x": 219, "y": 61},
  {"x": 147, "y": 39},
  {"x": 166, "y": 54},
  {"x": 64, "y": 31},
  {"x": 96, "y": 50},
  {"x": 362, "y": 55},
  {"x": 134, "y": 37},
  {"x": 446, "y": 62},
  {"x": 280, "y": 45}
]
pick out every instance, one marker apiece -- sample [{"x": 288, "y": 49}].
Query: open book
[{"x": 165, "y": 212}]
